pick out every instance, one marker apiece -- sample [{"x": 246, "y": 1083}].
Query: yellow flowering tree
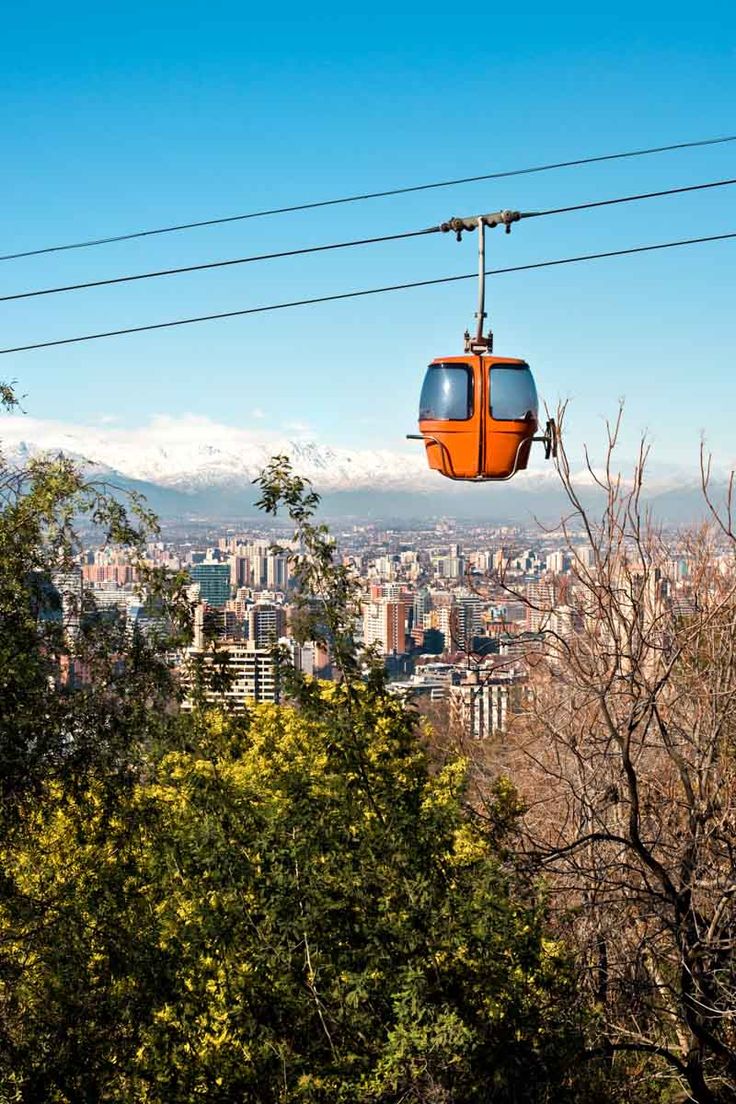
[{"x": 278, "y": 914}]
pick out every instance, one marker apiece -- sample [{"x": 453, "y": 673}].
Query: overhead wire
[
  {"x": 500, "y": 175},
  {"x": 209, "y": 265},
  {"x": 217, "y": 264},
  {"x": 630, "y": 198},
  {"x": 365, "y": 292}
]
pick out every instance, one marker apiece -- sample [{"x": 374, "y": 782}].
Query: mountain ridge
[{"x": 193, "y": 467}]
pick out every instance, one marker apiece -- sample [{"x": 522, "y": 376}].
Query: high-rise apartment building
[
  {"x": 239, "y": 571},
  {"x": 384, "y": 624},
  {"x": 468, "y": 621},
  {"x": 214, "y": 582},
  {"x": 277, "y": 571},
  {"x": 450, "y": 567},
  {"x": 232, "y": 674},
  {"x": 541, "y": 600},
  {"x": 441, "y": 619},
  {"x": 482, "y": 704},
  {"x": 215, "y": 623},
  {"x": 421, "y": 606},
  {"x": 558, "y": 562},
  {"x": 255, "y": 563},
  {"x": 266, "y": 623},
  {"x": 116, "y": 574},
  {"x": 65, "y": 600}
]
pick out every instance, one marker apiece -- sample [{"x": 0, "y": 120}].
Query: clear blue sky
[{"x": 117, "y": 117}]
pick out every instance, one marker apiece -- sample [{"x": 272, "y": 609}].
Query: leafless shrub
[{"x": 626, "y": 759}]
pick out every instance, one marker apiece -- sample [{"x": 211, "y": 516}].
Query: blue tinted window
[
  {"x": 513, "y": 394},
  {"x": 447, "y": 394}
]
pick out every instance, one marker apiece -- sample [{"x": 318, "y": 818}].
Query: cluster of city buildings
[{"x": 453, "y": 611}]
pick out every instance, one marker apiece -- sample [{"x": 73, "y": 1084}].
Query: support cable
[
  {"x": 630, "y": 198},
  {"x": 159, "y": 273},
  {"x": 216, "y": 264},
  {"x": 365, "y": 292},
  {"x": 577, "y": 162}
]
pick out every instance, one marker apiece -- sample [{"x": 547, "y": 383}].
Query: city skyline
[{"x": 455, "y": 613}]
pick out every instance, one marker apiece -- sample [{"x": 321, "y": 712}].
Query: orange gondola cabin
[{"x": 478, "y": 415}]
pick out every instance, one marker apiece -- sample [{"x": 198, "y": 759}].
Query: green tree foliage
[
  {"x": 76, "y": 690},
  {"x": 265, "y": 921},
  {"x": 328, "y": 596}
]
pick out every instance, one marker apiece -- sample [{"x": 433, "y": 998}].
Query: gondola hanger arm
[{"x": 480, "y": 343}]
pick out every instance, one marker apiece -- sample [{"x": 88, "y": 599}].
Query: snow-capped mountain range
[
  {"x": 192, "y": 452},
  {"x": 192, "y": 465}
]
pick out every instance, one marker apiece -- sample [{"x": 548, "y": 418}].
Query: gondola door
[
  {"x": 510, "y": 408},
  {"x": 451, "y": 411}
]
